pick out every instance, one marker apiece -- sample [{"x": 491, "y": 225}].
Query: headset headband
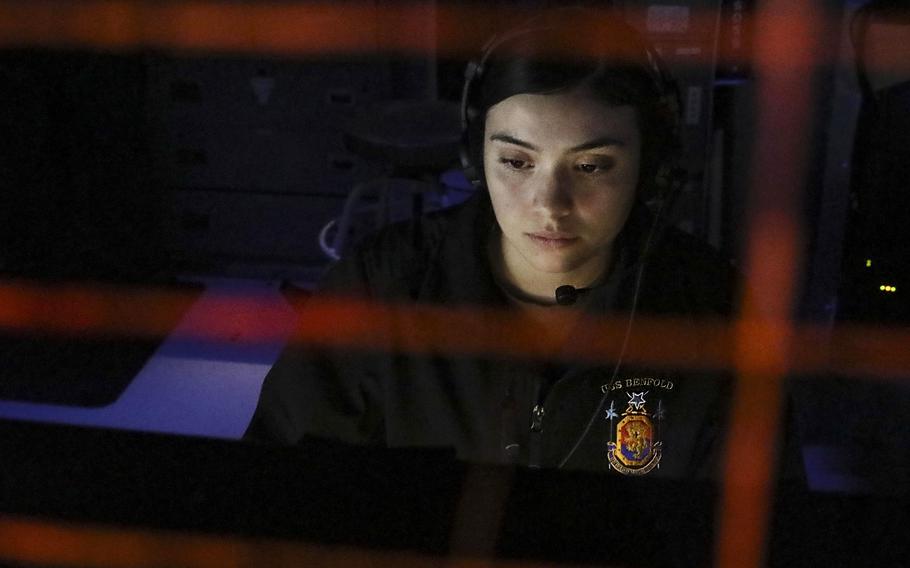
[{"x": 662, "y": 80}]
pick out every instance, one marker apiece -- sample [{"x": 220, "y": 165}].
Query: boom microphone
[{"x": 567, "y": 294}]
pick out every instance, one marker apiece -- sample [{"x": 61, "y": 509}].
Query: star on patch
[
  {"x": 611, "y": 412},
  {"x": 637, "y": 399}
]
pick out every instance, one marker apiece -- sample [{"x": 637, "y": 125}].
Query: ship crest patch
[{"x": 634, "y": 447}]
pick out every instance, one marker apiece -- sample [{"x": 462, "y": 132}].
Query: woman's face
[{"x": 562, "y": 171}]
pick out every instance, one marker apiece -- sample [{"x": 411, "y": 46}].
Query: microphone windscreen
[{"x": 566, "y": 295}]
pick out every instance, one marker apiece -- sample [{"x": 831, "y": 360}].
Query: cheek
[
  {"x": 503, "y": 203},
  {"x": 618, "y": 196},
  {"x": 507, "y": 206},
  {"x": 501, "y": 182},
  {"x": 607, "y": 210}
]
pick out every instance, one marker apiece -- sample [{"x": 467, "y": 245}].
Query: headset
[{"x": 668, "y": 176}]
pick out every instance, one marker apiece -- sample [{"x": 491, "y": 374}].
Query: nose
[{"x": 552, "y": 194}]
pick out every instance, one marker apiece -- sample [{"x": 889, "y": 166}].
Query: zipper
[
  {"x": 537, "y": 414},
  {"x": 535, "y": 438},
  {"x": 534, "y": 444}
]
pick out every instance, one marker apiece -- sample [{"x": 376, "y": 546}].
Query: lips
[{"x": 552, "y": 239}]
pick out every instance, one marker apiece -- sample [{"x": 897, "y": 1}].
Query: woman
[{"x": 566, "y": 151}]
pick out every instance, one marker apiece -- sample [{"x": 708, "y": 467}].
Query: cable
[
  {"x": 625, "y": 342},
  {"x": 324, "y": 245}
]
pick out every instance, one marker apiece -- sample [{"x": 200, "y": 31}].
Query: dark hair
[{"x": 598, "y": 52}]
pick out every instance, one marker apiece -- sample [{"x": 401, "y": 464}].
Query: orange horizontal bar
[
  {"x": 218, "y": 26},
  {"x": 97, "y": 311},
  {"x": 46, "y": 543},
  {"x": 326, "y": 28}
]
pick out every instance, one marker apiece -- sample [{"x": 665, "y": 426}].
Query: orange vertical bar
[{"x": 785, "y": 37}]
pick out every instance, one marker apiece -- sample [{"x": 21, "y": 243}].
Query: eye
[
  {"x": 595, "y": 167},
  {"x": 588, "y": 168},
  {"x": 515, "y": 163}
]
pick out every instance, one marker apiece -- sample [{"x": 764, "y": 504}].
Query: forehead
[{"x": 561, "y": 119}]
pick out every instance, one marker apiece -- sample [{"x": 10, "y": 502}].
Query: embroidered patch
[{"x": 635, "y": 446}]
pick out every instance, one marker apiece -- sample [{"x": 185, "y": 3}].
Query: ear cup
[
  {"x": 471, "y": 151},
  {"x": 472, "y": 165}
]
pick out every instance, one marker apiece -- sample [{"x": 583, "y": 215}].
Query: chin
[{"x": 556, "y": 265}]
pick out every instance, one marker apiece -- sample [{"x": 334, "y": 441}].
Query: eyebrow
[{"x": 601, "y": 142}]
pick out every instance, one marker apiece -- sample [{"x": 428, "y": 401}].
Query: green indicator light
[
  {"x": 882, "y": 288},
  {"x": 868, "y": 262}
]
